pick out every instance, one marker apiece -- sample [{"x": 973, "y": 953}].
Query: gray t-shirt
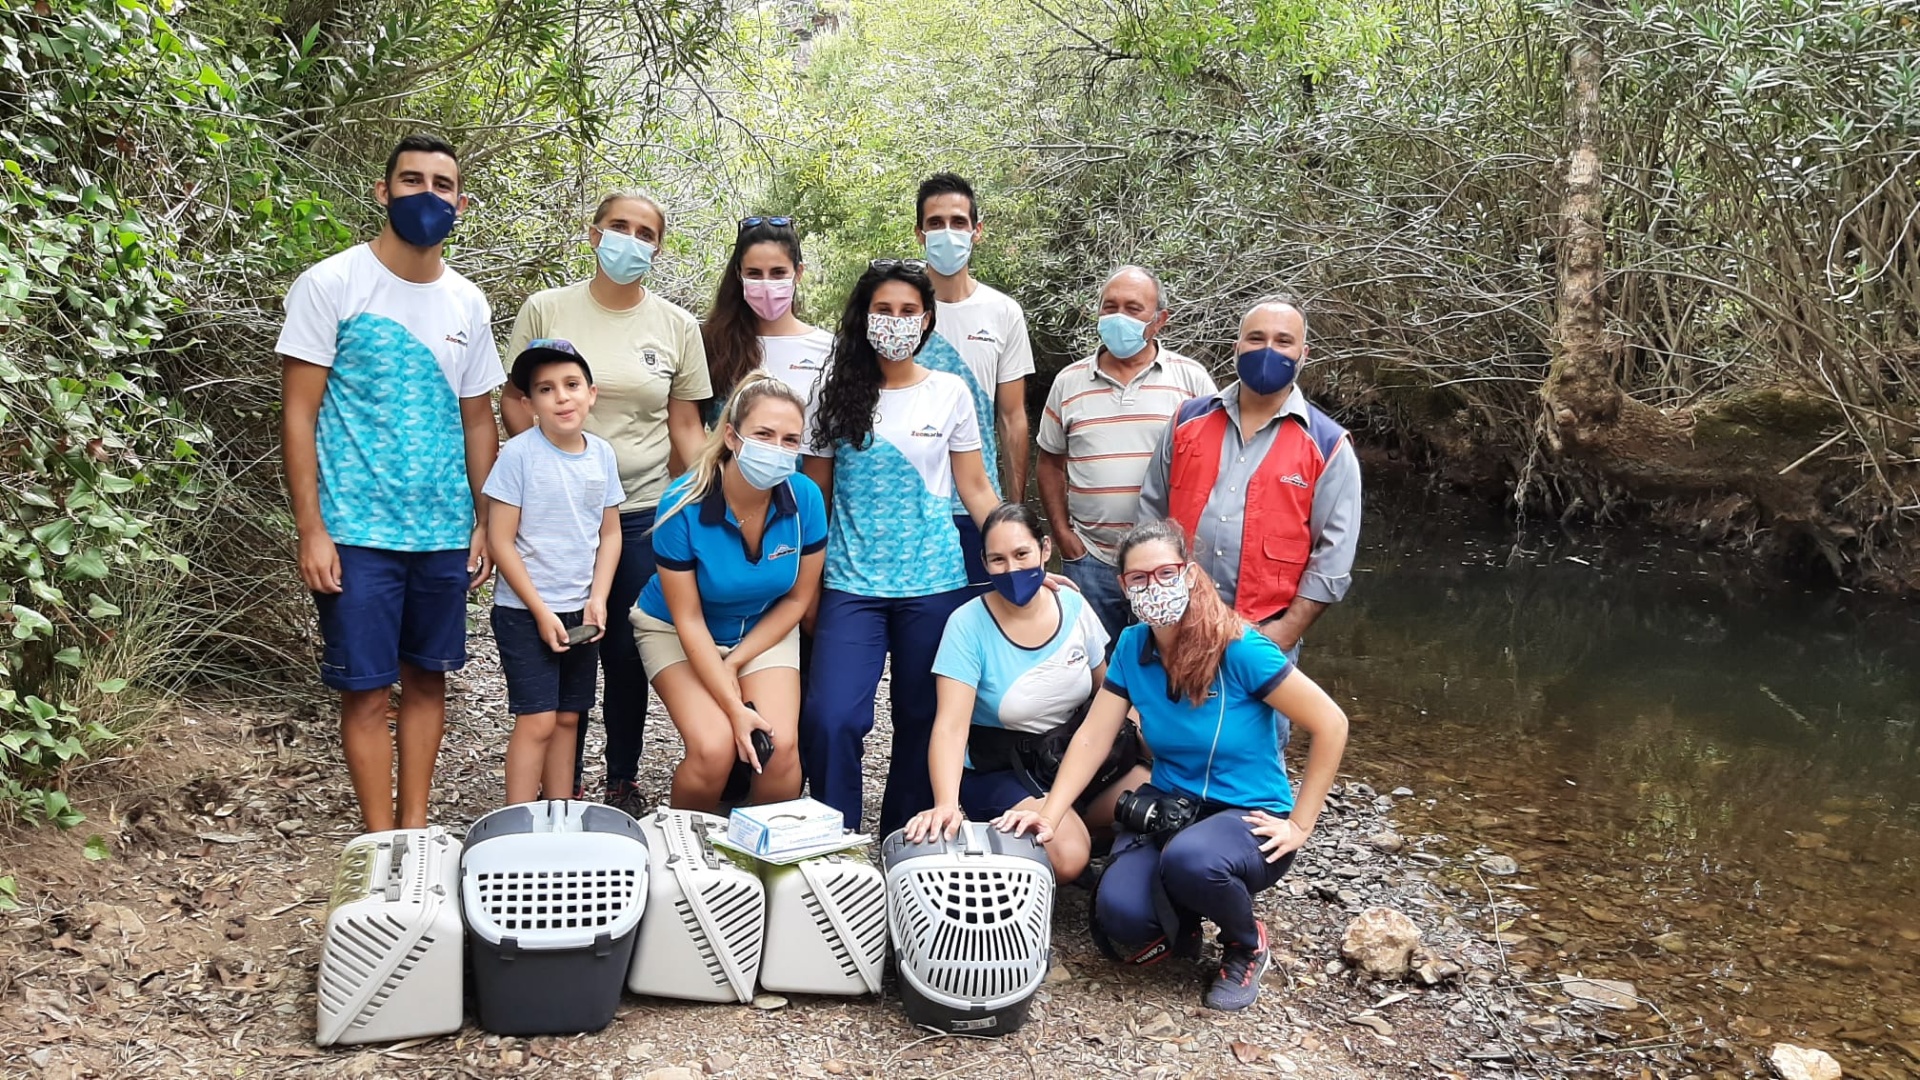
[{"x": 562, "y": 498}]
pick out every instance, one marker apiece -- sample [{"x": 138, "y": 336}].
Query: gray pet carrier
[
  {"x": 706, "y": 917},
  {"x": 972, "y": 924},
  {"x": 391, "y": 961},
  {"x": 553, "y": 893}
]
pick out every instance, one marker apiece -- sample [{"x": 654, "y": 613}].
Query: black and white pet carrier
[
  {"x": 826, "y": 926},
  {"x": 390, "y": 965},
  {"x": 553, "y": 893},
  {"x": 972, "y": 926},
  {"x": 706, "y": 917}
]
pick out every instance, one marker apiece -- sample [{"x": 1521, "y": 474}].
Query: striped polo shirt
[{"x": 1108, "y": 432}]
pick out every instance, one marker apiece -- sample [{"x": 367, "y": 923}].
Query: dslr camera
[{"x": 1155, "y": 814}]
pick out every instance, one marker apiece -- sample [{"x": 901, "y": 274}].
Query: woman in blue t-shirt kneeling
[
  {"x": 1016, "y": 667},
  {"x": 1214, "y": 698},
  {"x": 740, "y": 544}
]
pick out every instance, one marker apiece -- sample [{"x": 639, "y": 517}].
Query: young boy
[{"x": 553, "y": 527}]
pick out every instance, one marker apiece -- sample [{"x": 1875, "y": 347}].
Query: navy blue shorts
[
  {"x": 987, "y": 795},
  {"x": 538, "y": 679},
  {"x": 393, "y": 607}
]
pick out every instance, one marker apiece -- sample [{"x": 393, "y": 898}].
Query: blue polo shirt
[
  {"x": 735, "y": 590},
  {"x": 1229, "y": 748}
]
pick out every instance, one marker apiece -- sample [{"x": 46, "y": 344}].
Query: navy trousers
[
  {"x": 623, "y": 703},
  {"x": 853, "y": 636},
  {"x": 1210, "y": 869}
]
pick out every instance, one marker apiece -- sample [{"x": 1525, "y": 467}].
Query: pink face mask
[{"x": 769, "y": 299}]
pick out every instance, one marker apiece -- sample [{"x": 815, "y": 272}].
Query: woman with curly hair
[
  {"x": 892, "y": 442},
  {"x": 1217, "y": 702}
]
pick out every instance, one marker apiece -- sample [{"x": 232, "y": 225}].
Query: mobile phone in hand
[{"x": 582, "y": 634}]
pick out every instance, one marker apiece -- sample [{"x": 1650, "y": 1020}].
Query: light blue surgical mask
[
  {"x": 949, "y": 249},
  {"x": 1123, "y": 335},
  {"x": 765, "y": 465},
  {"x": 626, "y": 259}
]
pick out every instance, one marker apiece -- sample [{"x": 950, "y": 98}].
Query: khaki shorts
[{"x": 660, "y": 648}]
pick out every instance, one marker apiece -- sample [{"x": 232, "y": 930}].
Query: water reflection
[{"x": 1714, "y": 788}]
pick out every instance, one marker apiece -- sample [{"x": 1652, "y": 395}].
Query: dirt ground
[{"x": 191, "y": 950}]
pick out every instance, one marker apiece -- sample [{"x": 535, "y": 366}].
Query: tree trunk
[{"x": 1581, "y": 394}]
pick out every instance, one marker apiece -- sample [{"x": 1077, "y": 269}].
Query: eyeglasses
[
  {"x": 776, "y": 222},
  {"x": 1160, "y": 575},
  {"x": 911, "y": 266}
]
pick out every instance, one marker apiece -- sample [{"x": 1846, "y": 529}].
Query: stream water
[{"x": 1711, "y": 791}]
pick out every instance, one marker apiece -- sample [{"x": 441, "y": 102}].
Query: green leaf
[
  {"x": 110, "y": 686},
  {"x": 28, "y": 623},
  {"x": 69, "y": 656},
  {"x": 88, "y": 564},
  {"x": 9, "y": 892},
  {"x": 98, "y": 608},
  {"x": 97, "y": 848},
  {"x": 56, "y": 536}
]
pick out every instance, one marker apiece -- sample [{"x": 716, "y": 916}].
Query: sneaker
[
  {"x": 1238, "y": 984},
  {"x": 625, "y": 795},
  {"x": 1185, "y": 945}
]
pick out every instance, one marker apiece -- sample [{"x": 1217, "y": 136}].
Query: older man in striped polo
[{"x": 1104, "y": 417}]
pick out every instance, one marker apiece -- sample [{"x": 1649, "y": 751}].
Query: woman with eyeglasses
[
  {"x": 740, "y": 545},
  {"x": 892, "y": 441},
  {"x": 651, "y": 371},
  {"x": 1218, "y": 822},
  {"x": 1016, "y": 669},
  {"x": 752, "y": 323}
]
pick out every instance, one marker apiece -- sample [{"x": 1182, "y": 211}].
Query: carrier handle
[{"x": 870, "y": 970}]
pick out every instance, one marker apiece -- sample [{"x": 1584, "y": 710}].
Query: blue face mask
[
  {"x": 624, "y": 258},
  {"x": 1019, "y": 586},
  {"x": 1123, "y": 335},
  {"x": 764, "y": 465},
  {"x": 949, "y": 249},
  {"x": 1266, "y": 371},
  {"x": 422, "y": 219}
]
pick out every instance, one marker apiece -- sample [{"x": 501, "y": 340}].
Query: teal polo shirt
[
  {"x": 735, "y": 589},
  {"x": 1228, "y": 749}
]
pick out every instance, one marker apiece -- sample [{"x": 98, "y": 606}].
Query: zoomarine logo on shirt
[
  {"x": 782, "y": 552},
  {"x": 984, "y": 334},
  {"x": 458, "y": 337},
  {"x": 1295, "y": 479},
  {"x": 927, "y": 431}
]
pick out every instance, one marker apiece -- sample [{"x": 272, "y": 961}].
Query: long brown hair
[
  {"x": 731, "y": 333},
  {"x": 1202, "y": 635}
]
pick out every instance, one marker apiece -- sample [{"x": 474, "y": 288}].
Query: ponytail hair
[
  {"x": 754, "y": 387},
  {"x": 1202, "y": 635}
]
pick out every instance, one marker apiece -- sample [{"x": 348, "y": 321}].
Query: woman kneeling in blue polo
[
  {"x": 1016, "y": 668},
  {"x": 1215, "y": 699},
  {"x": 740, "y": 545}
]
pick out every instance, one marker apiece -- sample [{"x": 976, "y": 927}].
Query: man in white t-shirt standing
[
  {"x": 388, "y": 368},
  {"x": 980, "y": 335}
]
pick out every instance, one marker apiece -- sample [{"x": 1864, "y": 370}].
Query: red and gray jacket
[{"x": 1277, "y": 535}]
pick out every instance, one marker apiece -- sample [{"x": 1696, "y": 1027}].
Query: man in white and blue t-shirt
[
  {"x": 388, "y": 366},
  {"x": 980, "y": 334}
]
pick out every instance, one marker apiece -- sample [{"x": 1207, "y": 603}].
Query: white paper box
[{"x": 774, "y": 828}]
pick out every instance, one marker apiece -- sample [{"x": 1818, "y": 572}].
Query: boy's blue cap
[{"x": 544, "y": 351}]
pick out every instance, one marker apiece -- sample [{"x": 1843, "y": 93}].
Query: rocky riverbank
[{"x": 190, "y": 949}]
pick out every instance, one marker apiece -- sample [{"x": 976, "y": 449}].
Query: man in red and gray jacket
[{"x": 1265, "y": 486}]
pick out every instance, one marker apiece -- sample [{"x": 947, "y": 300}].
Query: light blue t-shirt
[
  {"x": 392, "y": 448},
  {"x": 704, "y": 537},
  {"x": 563, "y": 498},
  {"x": 891, "y": 533},
  {"x": 1017, "y": 688},
  {"x": 1228, "y": 748}
]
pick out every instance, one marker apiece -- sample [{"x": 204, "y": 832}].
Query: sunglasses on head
[
  {"x": 911, "y": 266},
  {"x": 776, "y": 222}
]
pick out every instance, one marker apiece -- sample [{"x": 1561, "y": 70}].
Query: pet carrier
[
  {"x": 390, "y": 963},
  {"x": 826, "y": 926},
  {"x": 706, "y": 917},
  {"x": 553, "y": 893},
  {"x": 972, "y": 922}
]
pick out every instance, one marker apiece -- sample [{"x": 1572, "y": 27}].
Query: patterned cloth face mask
[
  {"x": 1158, "y": 604},
  {"x": 894, "y": 337}
]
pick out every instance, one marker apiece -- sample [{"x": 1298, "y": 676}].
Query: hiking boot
[
  {"x": 625, "y": 795},
  {"x": 1238, "y": 984}
]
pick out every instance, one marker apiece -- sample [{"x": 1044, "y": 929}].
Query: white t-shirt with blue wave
[{"x": 891, "y": 530}]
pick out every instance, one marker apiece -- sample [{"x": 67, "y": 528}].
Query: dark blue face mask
[
  {"x": 422, "y": 219},
  {"x": 1019, "y": 586},
  {"x": 1266, "y": 371}
]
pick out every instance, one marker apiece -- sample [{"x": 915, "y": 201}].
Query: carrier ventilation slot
[{"x": 523, "y": 900}]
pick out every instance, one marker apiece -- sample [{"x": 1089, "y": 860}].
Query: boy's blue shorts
[
  {"x": 393, "y": 607},
  {"x": 539, "y": 679}
]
